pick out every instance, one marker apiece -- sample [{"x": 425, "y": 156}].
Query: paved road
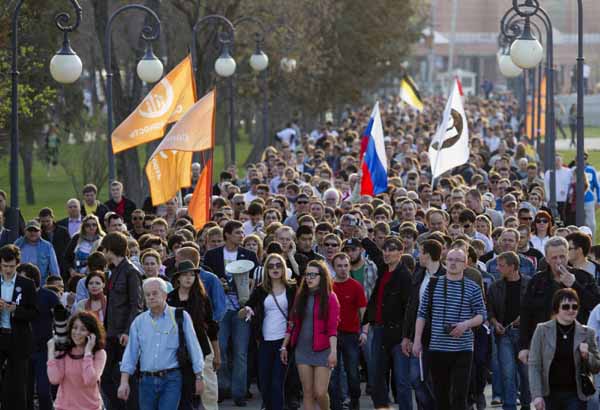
[{"x": 365, "y": 401}]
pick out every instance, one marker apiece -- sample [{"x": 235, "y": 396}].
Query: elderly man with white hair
[
  {"x": 154, "y": 340},
  {"x": 73, "y": 221}
]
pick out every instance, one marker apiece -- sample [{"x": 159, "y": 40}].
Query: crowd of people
[{"x": 425, "y": 293}]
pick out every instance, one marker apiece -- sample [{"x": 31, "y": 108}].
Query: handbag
[{"x": 587, "y": 380}]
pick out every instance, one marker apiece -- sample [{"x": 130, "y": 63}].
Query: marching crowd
[{"x": 306, "y": 287}]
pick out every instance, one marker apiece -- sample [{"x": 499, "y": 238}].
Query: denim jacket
[{"x": 45, "y": 259}]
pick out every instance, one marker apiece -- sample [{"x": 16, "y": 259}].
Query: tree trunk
[{"x": 27, "y": 158}]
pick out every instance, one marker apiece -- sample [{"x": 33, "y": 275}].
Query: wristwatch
[{"x": 199, "y": 376}]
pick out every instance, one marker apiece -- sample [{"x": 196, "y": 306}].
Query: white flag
[{"x": 450, "y": 145}]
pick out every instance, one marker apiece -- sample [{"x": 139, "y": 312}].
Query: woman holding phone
[
  {"x": 313, "y": 333},
  {"x": 77, "y": 370}
]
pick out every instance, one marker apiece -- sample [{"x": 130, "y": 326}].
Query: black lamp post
[
  {"x": 580, "y": 215},
  {"x": 65, "y": 68},
  {"x": 149, "y": 69},
  {"x": 526, "y": 52},
  {"x": 225, "y": 65}
]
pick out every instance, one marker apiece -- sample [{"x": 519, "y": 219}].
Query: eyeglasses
[
  {"x": 331, "y": 245},
  {"x": 541, "y": 221},
  {"x": 311, "y": 275},
  {"x": 277, "y": 265},
  {"x": 569, "y": 306}
]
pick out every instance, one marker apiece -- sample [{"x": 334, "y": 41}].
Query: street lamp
[
  {"x": 225, "y": 65},
  {"x": 527, "y": 11},
  {"x": 259, "y": 61},
  {"x": 65, "y": 67},
  {"x": 288, "y": 65},
  {"x": 149, "y": 69},
  {"x": 526, "y": 51}
]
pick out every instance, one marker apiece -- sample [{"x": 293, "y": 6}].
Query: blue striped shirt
[{"x": 472, "y": 305}]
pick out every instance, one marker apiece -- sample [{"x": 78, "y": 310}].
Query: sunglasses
[
  {"x": 311, "y": 275},
  {"x": 137, "y": 218},
  {"x": 541, "y": 221},
  {"x": 331, "y": 245},
  {"x": 301, "y": 202},
  {"x": 277, "y": 265},
  {"x": 569, "y": 306},
  {"x": 240, "y": 203},
  {"x": 526, "y": 218},
  {"x": 466, "y": 226}
]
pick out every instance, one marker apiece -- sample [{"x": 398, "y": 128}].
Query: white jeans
[
  {"x": 590, "y": 218},
  {"x": 210, "y": 394}
]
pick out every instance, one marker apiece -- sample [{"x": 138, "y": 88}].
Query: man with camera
[{"x": 452, "y": 306}]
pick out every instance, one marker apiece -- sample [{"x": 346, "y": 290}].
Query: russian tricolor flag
[{"x": 372, "y": 153}]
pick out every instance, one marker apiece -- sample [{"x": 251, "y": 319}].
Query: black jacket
[
  {"x": 214, "y": 259},
  {"x": 23, "y": 316},
  {"x": 6, "y": 237},
  {"x": 124, "y": 298},
  {"x": 14, "y": 222},
  {"x": 395, "y": 296},
  {"x": 496, "y": 298},
  {"x": 257, "y": 303},
  {"x": 412, "y": 308},
  {"x": 207, "y": 330},
  {"x": 60, "y": 241},
  {"x": 129, "y": 208},
  {"x": 536, "y": 305}
]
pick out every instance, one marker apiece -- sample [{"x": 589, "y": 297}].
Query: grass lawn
[
  {"x": 54, "y": 189},
  {"x": 590, "y": 132}
]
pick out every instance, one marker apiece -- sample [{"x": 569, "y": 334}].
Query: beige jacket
[{"x": 541, "y": 354}]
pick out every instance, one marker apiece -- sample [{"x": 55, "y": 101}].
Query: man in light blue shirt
[
  {"x": 38, "y": 251},
  {"x": 154, "y": 340}
]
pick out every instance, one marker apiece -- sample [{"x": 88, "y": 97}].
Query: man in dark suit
[
  {"x": 124, "y": 207},
  {"x": 232, "y": 327},
  {"x": 17, "y": 311},
  {"x": 5, "y": 234},
  {"x": 58, "y": 236},
  {"x": 72, "y": 222},
  {"x": 15, "y": 224}
]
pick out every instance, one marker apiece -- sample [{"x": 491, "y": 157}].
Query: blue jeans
[
  {"x": 497, "y": 387},
  {"x": 160, "y": 393},
  {"x": 564, "y": 401},
  {"x": 348, "y": 356},
  {"x": 514, "y": 373},
  {"x": 383, "y": 358},
  {"x": 423, "y": 390},
  {"x": 271, "y": 374},
  {"x": 39, "y": 377},
  {"x": 238, "y": 330}
]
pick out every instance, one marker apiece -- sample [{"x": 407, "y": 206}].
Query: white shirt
[
  {"x": 288, "y": 136},
  {"x": 563, "y": 180},
  {"x": 249, "y": 197},
  {"x": 539, "y": 243},
  {"x": 274, "y": 324}
]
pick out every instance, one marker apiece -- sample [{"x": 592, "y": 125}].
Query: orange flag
[
  {"x": 169, "y": 167},
  {"x": 199, "y": 207},
  {"x": 168, "y": 101},
  {"x": 541, "y": 116}
]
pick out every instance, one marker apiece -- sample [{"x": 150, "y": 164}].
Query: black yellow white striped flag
[{"x": 410, "y": 94}]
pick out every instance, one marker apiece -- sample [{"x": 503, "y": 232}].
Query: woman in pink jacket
[
  {"x": 312, "y": 331},
  {"x": 77, "y": 369}
]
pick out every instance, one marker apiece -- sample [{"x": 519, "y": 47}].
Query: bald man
[
  {"x": 453, "y": 305},
  {"x": 73, "y": 221}
]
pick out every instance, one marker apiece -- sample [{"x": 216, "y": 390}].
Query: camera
[{"x": 448, "y": 327}]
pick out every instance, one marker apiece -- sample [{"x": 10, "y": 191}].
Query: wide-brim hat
[
  {"x": 185, "y": 266},
  {"x": 241, "y": 266}
]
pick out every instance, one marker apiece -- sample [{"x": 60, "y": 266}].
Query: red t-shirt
[
  {"x": 351, "y": 296},
  {"x": 379, "y": 311}
]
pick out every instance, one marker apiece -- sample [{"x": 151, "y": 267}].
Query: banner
[
  {"x": 450, "y": 145},
  {"x": 199, "y": 207},
  {"x": 169, "y": 167},
  {"x": 410, "y": 94},
  {"x": 168, "y": 101},
  {"x": 541, "y": 116}
]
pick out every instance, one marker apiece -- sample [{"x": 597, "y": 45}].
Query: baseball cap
[
  {"x": 33, "y": 224},
  {"x": 352, "y": 243}
]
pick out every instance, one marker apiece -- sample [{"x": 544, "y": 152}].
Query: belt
[
  {"x": 160, "y": 373},
  {"x": 5, "y": 331}
]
